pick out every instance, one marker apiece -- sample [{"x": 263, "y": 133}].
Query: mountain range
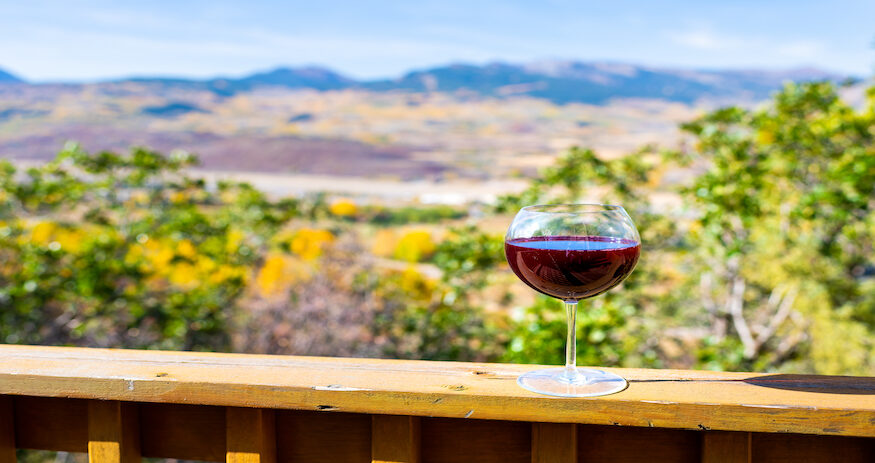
[
  {"x": 557, "y": 81},
  {"x": 7, "y": 77}
]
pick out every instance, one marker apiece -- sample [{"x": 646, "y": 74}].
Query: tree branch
[
  {"x": 706, "y": 290},
  {"x": 736, "y": 306},
  {"x": 780, "y": 315}
]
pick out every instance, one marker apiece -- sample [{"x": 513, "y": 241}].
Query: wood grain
[
  {"x": 323, "y": 437},
  {"x": 726, "y": 447},
  {"x": 51, "y": 424},
  {"x": 250, "y": 435},
  {"x": 453, "y": 440},
  {"x": 113, "y": 432},
  {"x": 7, "y": 430},
  {"x": 185, "y": 432},
  {"x": 395, "y": 439},
  {"x": 617, "y": 444},
  {"x": 554, "y": 443},
  {"x": 695, "y": 400}
]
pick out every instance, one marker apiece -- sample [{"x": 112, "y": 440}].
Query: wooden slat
[
  {"x": 617, "y": 444},
  {"x": 250, "y": 436},
  {"x": 726, "y": 447},
  {"x": 449, "y": 440},
  {"x": 696, "y": 400},
  {"x": 395, "y": 439},
  {"x": 113, "y": 432},
  {"x": 185, "y": 432},
  {"x": 51, "y": 424},
  {"x": 789, "y": 448},
  {"x": 323, "y": 437},
  {"x": 7, "y": 430},
  {"x": 554, "y": 443}
]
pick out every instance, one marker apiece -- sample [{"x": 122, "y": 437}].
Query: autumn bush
[
  {"x": 130, "y": 251},
  {"x": 109, "y": 250}
]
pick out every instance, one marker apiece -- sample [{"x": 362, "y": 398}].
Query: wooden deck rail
[{"x": 122, "y": 405}]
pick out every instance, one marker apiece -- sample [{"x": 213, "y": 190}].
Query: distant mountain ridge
[
  {"x": 315, "y": 78},
  {"x": 6, "y": 77},
  {"x": 558, "y": 81},
  {"x": 568, "y": 81}
]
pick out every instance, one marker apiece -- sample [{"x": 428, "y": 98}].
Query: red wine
[{"x": 572, "y": 267}]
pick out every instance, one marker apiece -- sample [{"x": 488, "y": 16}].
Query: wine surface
[{"x": 572, "y": 267}]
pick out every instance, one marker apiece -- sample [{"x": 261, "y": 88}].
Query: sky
[{"x": 88, "y": 40}]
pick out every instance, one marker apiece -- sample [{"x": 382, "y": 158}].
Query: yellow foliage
[
  {"x": 186, "y": 249},
  {"x": 309, "y": 242},
  {"x": 415, "y": 284},
  {"x": 270, "y": 276},
  {"x": 224, "y": 273},
  {"x": 161, "y": 258},
  {"x": 414, "y": 246},
  {"x": 343, "y": 208},
  {"x": 205, "y": 265},
  {"x": 56, "y": 237},
  {"x": 384, "y": 243},
  {"x": 765, "y": 136},
  {"x": 278, "y": 273},
  {"x": 156, "y": 259},
  {"x": 178, "y": 196},
  {"x": 70, "y": 240},
  {"x": 183, "y": 275},
  {"x": 235, "y": 237},
  {"x": 41, "y": 233},
  {"x": 840, "y": 346}
]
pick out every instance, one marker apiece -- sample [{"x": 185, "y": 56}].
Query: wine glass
[{"x": 572, "y": 252}]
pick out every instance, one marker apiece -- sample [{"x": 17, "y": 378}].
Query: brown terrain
[
  {"x": 282, "y": 154},
  {"x": 356, "y": 133}
]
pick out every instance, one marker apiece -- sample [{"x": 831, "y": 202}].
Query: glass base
[{"x": 587, "y": 383}]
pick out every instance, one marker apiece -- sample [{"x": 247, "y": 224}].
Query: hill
[
  {"x": 560, "y": 82},
  {"x": 315, "y": 78},
  {"x": 6, "y": 77},
  {"x": 596, "y": 83}
]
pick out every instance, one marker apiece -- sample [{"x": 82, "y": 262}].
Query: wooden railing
[{"x": 122, "y": 405}]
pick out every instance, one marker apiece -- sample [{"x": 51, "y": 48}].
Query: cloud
[
  {"x": 707, "y": 40},
  {"x": 802, "y": 49},
  {"x": 759, "y": 50}
]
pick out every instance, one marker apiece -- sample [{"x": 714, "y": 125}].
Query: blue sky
[{"x": 91, "y": 39}]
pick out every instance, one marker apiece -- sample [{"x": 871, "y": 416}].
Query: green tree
[
  {"x": 767, "y": 264},
  {"x": 784, "y": 231}
]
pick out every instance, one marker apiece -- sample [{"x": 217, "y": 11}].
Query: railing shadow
[{"x": 859, "y": 385}]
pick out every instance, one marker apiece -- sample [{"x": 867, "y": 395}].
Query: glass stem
[{"x": 571, "y": 373}]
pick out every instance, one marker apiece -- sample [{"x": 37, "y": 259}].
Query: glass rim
[{"x": 597, "y": 207}]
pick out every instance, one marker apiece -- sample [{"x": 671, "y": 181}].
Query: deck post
[
  {"x": 395, "y": 439},
  {"x": 726, "y": 447},
  {"x": 113, "y": 432},
  {"x": 554, "y": 443},
  {"x": 7, "y": 430},
  {"x": 250, "y": 435}
]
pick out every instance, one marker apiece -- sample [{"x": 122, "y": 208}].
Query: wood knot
[{"x": 326, "y": 408}]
